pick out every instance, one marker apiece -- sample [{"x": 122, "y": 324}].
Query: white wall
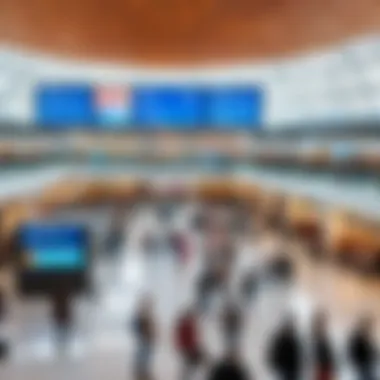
[{"x": 340, "y": 84}]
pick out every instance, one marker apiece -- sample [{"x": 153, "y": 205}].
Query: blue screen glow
[
  {"x": 234, "y": 107},
  {"x": 65, "y": 105},
  {"x": 150, "y": 108},
  {"x": 156, "y": 107},
  {"x": 47, "y": 247},
  {"x": 56, "y": 258}
]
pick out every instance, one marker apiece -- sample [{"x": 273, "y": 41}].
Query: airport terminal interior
[{"x": 189, "y": 190}]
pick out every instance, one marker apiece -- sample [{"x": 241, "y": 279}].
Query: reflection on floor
[{"x": 102, "y": 347}]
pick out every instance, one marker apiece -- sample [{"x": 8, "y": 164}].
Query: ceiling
[{"x": 184, "y": 31}]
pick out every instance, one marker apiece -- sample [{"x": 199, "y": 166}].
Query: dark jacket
[
  {"x": 2, "y": 307},
  {"x": 62, "y": 310},
  {"x": 228, "y": 370},
  {"x": 323, "y": 353},
  {"x": 362, "y": 352},
  {"x": 231, "y": 320},
  {"x": 285, "y": 355},
  {"x": 144, "y": 329}
]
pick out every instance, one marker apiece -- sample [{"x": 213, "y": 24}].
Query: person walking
[
  {"x": 285, "y": 355},
  {"x": 231, "y": 321},
  {"x": 144, "y": 329},
  {"x": 4, "y": 343},
  {"x": 323, "y": 355},
  {"x": 230, "y": 367},
  {"x": 362, "y": 350},
  {"x": 188, "y": 343}
]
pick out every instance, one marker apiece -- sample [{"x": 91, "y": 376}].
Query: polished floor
[{"x": 101, "y": 345}]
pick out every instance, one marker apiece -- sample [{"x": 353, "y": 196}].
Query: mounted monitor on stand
[{"x": 51, "y": 256}]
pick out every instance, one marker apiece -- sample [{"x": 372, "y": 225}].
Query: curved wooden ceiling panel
[{"x": 184, "y": 30}]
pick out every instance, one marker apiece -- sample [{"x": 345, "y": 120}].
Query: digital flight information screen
[
  {"x": 169, "y": 107},
  {"x": 65, "y": 106},
  {"x": 149, "y": 107},
  {"x": 235, "y": 108},
  {"x": 50, "y": 252}
]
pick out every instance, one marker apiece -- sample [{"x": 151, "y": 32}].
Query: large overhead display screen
[
  {"x": 235, "y": 107},
  {"x": 168, "y": 107},
  {"x": 65, "y": 106},
  {"x": 150, "y": 108}
]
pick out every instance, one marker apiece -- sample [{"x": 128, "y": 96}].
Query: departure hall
[{"x": 189, "y": 190}]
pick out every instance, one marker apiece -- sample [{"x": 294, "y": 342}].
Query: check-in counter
[
  {"x": 126, "y": 191},
  {"x": 354, "y": 240},
  {"x": 304, "y": 219},
  {"x": 316, "y": 158},
  {"x": 355, "y": 157},
  {"x": 270, "y": 209},
  {"x": 95, "y": 193},
  {"x": 117, "y": 190},
  {"x": 371, "y": 160},
  {"x": 247, "y": 193},
  {"x": 284, "y": 158},
  {"x": 215, "y": 190},
  {"x": 303, "y": 215},
  {"x": 62, "y": 194}
]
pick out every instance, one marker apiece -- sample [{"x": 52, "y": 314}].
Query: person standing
[
  {"x": 205, "y": 287},
  {"x": 144, "y": 329},
  {"x": 116, "y": 232},
  {"x": 4, "y": 348},
  {"x": 362, "y": 350},
  {"x": 249, "y": 283},
  {"x": 324, "y": 362},
  {"x": 231, "y": 322},
  {"x": 62, "y": 313},
  {"x": 179, "y": 244},
  {"x": 285, "y": 355},
  {"x": 229, "y": 368},
  {"x": 188, "y": 343}
]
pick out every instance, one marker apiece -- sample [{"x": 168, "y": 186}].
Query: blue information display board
[
  {"x": 163, "y": 107},
  {"x": 150, "y": 107},
  {"x": 58, "y": 248},
  {"x": 65, "y": 106},
  {"x": 235, "y": 108}
]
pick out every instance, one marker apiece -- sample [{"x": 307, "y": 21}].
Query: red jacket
[{"x": 187, "y": 334}]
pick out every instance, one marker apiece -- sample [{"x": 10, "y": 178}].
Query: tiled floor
[{"x": 102, "y": 347}]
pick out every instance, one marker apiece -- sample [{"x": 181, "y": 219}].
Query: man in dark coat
[
  {"x": 229, "y": 368},
  {"x": 323, "y": 355},
  {"x": 285, "y": 356},
  {"x": 362, "y": 350}
]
